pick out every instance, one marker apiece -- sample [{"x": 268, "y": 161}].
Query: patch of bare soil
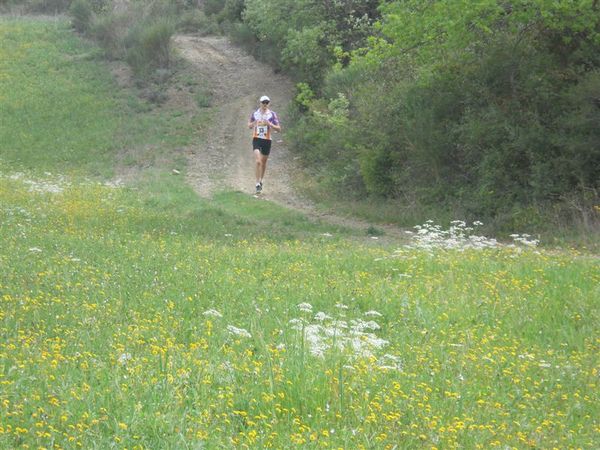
[{"x": 225, "y": 160}]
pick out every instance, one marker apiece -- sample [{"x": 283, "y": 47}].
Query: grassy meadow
[{"x": 140, "y": 316}]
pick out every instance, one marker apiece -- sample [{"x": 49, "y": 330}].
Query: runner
[{"x": 262, "y": 121}]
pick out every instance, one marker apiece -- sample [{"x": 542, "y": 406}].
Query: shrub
[
  {"x": 505, "y": 128},
  {"x": 81, "y": 13},
  {"x": 149, "y": 46},
  {"x": 203, "y": 98},
  {"x": 232, "y": 11},
  {"x": 213, "y": 7},
  {"x": 306, "y": 56},
  {"x": 241, "y": 34},
  {"x": 109, "y": 30}
]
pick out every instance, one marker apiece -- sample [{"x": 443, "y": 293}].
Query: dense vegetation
[
  {"x": 486, "y": 110},
  {"x": 489, "y": 109}
]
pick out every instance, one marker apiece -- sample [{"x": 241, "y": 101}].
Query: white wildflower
[
  {"x": 238, "y": 331},
  {"x": 524, "y": 239},
  {"x": 339, "y": 324},
  {"x": 316, "y": 343},
  {"x": 297, "y": 324},
  {"x": 305, "y": 307},
  {"x": 340, "y": 335},
  {"x": 212, "y": 313},
  {"x": 114, "y": 184},
  {"x": 430, "y": 236},
  {"x": 390, "y": 362},
  {"x": 360, "y": 325},
  {"x": 322, "y": 317},
  {"x": 124, "y": 358}
]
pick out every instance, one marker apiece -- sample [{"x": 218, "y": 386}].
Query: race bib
[{"x": 261, "y": 131}]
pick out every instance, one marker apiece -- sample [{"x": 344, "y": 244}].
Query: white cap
[{"x": 264, "y": 98}]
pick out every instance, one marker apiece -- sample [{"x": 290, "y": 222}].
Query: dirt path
[{"x": 226, "y": 160}]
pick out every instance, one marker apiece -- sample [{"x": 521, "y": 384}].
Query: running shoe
[{"x": 258, "y": 187}]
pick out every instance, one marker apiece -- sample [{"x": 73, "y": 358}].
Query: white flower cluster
[
  {"x": 524, "y": 239},
  {"x": 54, "y": 184},
  {"x": 42, "y": 186},
  {"x": 115, "y": 184},
  {"x": 459, "y": 236},
  {"x": 355, "y": 336},
  {"x": 305, "y": 307},
  {"x": 212, "y": 313},
  {"x": 238, "y": 331}
]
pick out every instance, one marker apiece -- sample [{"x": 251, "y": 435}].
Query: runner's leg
[
  {"x": 263, "y": 168},
  {"x": 258, "y": 168}
]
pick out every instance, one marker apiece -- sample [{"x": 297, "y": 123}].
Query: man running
[{"x": 262, "y": 121}]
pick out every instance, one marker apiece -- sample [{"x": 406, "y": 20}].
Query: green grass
[
  {"x": 52, "y": 115},
  {"x": 108, "y": 340},
  {"x": 62, "y": 111}
]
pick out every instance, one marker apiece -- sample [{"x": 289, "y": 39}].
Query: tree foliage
[
  {"x": 307, "y": 35},
  {"x": 487, "y": 107}
]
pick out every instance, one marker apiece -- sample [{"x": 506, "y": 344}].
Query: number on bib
[{"x": 261, "y": 131}]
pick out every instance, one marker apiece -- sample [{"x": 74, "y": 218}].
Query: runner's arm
[
  {"x": 252, "y": 121},
  {"x": 275, "y": 124}
]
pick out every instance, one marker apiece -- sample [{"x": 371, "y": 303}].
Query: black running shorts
[{"x": 264, "y": 145}]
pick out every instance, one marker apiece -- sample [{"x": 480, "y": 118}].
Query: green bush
[
  {"x": 109, "y": 30},
  {"x": 81, "y": 13},
  {"x": 213, "y": 7},
  {"x": 232, "y": 11},
  {"x": 149, "y": 45},
  {"x": 203, "y": 97},
  {"x": 240, "y": 34},
  {"x": 306, "y": 55},
  {"x": 499, "y": 135}
]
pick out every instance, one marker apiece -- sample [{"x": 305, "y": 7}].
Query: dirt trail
[{"x": 226, "y": 160}]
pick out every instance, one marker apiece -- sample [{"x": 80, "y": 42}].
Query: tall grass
[
  {"x": 130, "y": 323},
  {"x": 51, "y": 116},
  {"x": 149, "y": 45},
  {"x": 62, "y": 111},
  {"x": 147, "y": 318}
]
